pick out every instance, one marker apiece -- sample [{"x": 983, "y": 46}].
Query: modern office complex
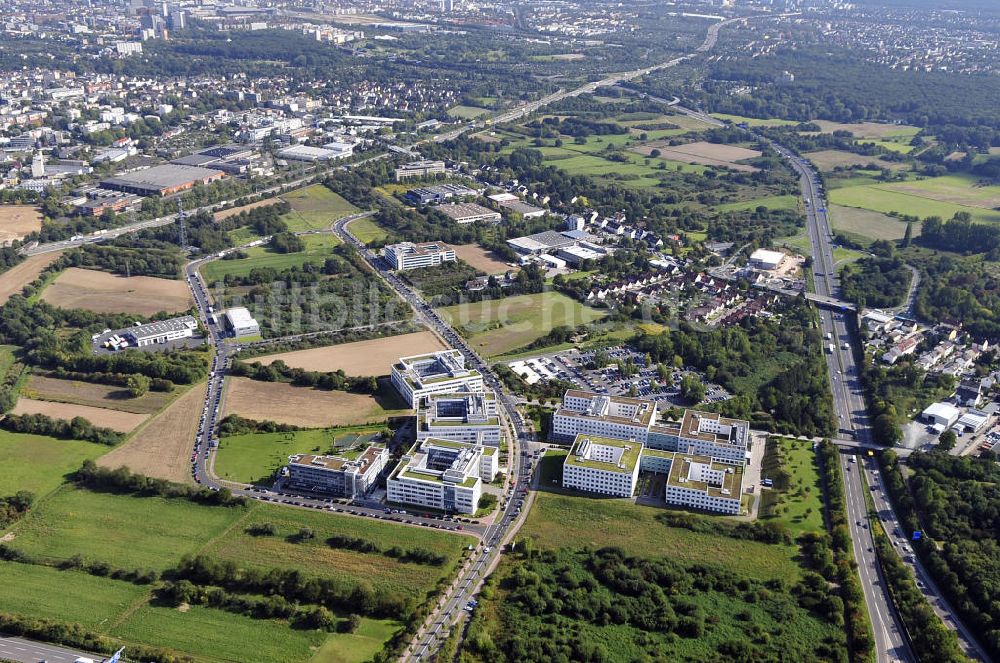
[
  {"x": 602, "y": 465},
  {"x": 618, "y": 417},
  {"x": 335, "y": 475},
  {"x": 461, "y": 417},
  {"x": 704, "y": 434},
  {"x": 443, "y": 475},
  {"x": 419, "y": 169},
  {"x": 407, "y": 255},
  {"x": 440, "y": 372},
  {"x": 702, "y": 483}
]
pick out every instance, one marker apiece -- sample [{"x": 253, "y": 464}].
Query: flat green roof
[
  {"x": 657, "y": 452},
  {"x": 629, "y": 457},
  {"x": 732, "y": 481}
]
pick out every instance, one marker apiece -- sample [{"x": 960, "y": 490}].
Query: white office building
[
  {"x": 336, "y": 475},
  {"x": 617, "y": 417},
  {"x": 419, "y": 169},
  {"x": 704, "y": 434},
  {"x": 443, "y": 475},
  {"x": 163, "y": 331},
  {"x": 698, "y": 482},
  {"x": 602, "y": 465},
  {"x": 442, "y": 372},
  {"x": 461, "y": 417},
  {"x": 407, "y": 255},
  {"x": 241, "y": 323}
]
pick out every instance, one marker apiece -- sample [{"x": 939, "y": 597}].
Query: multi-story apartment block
[
  {"x": 443, "y": 475},
  {"x": 335, "y": 475},
  {"x": 407, "y": 255},
  {"x": 442, "y": 372},
  {"x": 462, "y": 417},
  {"x": 602, "y": 465}
]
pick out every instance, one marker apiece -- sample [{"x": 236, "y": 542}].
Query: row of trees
[
  {"x": 77, "y": 428},
  {"x": 278, "y": 371},
  {"x": 413, "y": 555},
  {"x": 124, "y": 481}
]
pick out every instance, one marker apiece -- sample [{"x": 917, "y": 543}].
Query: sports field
[
  {"x": 14, "y": 279},
  {"x": 498, "y": 326},
  {"x": 315, "y": 208},
  {"x": 317, "y": 248},
  {"x": 43, "y": 388},
  {"x": 123, "y": 422},
  {"x": 360, "y": 358},
  {"x": 304, "y": 406},
  {"x": 38, "y": 463},
  {"x": 256, "y": 457},
  {"x": 483, "y": 260},
  {"x": 162, "y": 447},
  {"x": 16, "y": 221},
  {"x": 920, "y": 199},
  {"x": 102, "y": 292}
]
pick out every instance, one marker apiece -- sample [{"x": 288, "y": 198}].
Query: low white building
[
  {"x": 407, "y": 255},
  {"x": 602, "y": 465},
  {"x": 241, "y": 323},
  {"x": 766, "y": 260},
  {"x": 943, "y": 415},
  {"x": 465, "y": 213},
  {"x": 698, "y": 482},
  {"x": 461, "y": 417},
  {"x": 442, "y": 372},
  {"x": 163, "y": 331},
  {"x": 442, "y": 475},
  {"x": 336, "y": 475},
  {"x": 419, "y": 169}
]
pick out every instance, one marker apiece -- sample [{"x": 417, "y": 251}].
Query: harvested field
[
  {"x": 162, "y": 448},
  {"x": 303, "y": 406},
  {"x": 17, "y": 221},
  {"x": 827, "y": 160},
  {"x": 123, "y": 422},
  {"x": 20, "y": 275},
  {"x": 105, "y": 396},
  {"x": 483, "y": 260},
  {"x": 102, "y": 292},
  {"x": 372, "y": 357},
  {"x": 706, "y": 154},
  {"x": 226, "y": 213},
  {"x": 868, "y": 129}
]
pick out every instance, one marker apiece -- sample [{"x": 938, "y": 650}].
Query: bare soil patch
[
  {"x": 43, "y": 388},
  {"x": 14, "y": 279},
  {"x": 162, "y": 448},
  {"x": 17, "y": 221},
  {"x": 102, "y": 292},
  {"x": 700, "y": 152},
  {"x": 123, "y": 422},
  {"x": 372, "y": 357},
  {"x": 304, "y": 406},
  {"x": 226, "y": 213},
  {"x": 481, "y": 259}
]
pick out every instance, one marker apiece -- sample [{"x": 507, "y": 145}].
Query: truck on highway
[{"x": 829, "y": 348}]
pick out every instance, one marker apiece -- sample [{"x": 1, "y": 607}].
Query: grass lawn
[
  {"x": 70, "y": 596},
  {"x": 771, "y": 202},
  {"x": 315, "y": 207},
  {"x": 901, "y": 145},
  {"x": 127, "y": 532},
  {"x": 38, "y": 463},
  {"x": 959, "y": 188},
  {"x": 6, "y": 358},
  {"x": 566, "y": 521},
  {"x": 317, "y": 248},
  {"x": 882, "y": 198},
  {"x": 873, "y": 225},
  {"x": 216, "y": 636},
  {"x": 466, "y": 112},
  {"x": 316, "y": 558},
  {"x": 499, "y": 326},
  {"x": 367, "y": 230},
  {"x": 798, "y": 500},
  {"x": 256, "y": 457}
]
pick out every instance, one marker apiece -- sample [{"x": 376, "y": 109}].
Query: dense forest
[{"x": 877, "y": 282}]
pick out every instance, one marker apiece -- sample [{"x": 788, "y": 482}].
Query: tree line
[
  {"x": 125, "y": 482},
  {"x": 76, "y": 428}
]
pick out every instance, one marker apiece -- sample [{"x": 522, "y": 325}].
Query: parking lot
[{"x": 640, "y": 380}]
